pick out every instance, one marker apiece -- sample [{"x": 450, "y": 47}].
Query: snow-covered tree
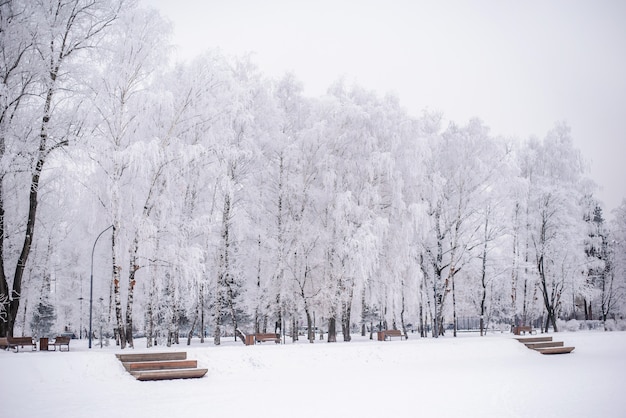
[
  {"x": 122, "y": 101},
  {"x": 613, "y": 285},
  {"x": 43, "y": 45},
  {"x": 555, "y": 220}
]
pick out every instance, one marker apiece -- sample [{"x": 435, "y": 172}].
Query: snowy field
[{"x": 493, "y": 376}]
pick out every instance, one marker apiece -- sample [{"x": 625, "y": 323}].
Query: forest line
[{"x": 227, "y": 200}]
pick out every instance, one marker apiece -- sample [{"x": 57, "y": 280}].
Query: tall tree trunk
[
  {"x": 332, "y": 329},
  {"x": 309, "y": 325},
  {"x": 172, "y": 305},
  {"x": 202, "y": 313},
  {"x": 514, "y": 267},
  {"x": 454, "y": 324},
  {"x": 548, "y": 301},
  {"x": 345, "y": 323},
  {"x": 402, "y": 324},
  {"x": 217, "y": 321},
  {"x": 422, "y": 324},
  {"x": 43, "y": 152},
  {"x": 278, "y": 324},
  {"x": 193, "y": 326},
  {"x": 120, "y": 329},
  {"x": 150, "y": 307},
  {"x": 483, "y": 283},
  {"x": 294, "y": 328},
  {"x": 363, "y": 312},
  {"x": 224, "y": 292},
  {"x": 346, "y": 314},
  {"x": 4, "y": 286},
  {"x": 131, "y": 294},
  {"x": 152, "y": 294},
  {"x": 257, "y": 308}
]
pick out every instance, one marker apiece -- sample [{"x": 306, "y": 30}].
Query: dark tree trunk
[
  {"x": 4, "y": 286},
  {"x": 332, "y": 330},
  {"x": 309, "y": 326},
  {"x": 402, "y": 324},
  {"x": 202, "y": 314},
  {"x": 131, "y": 293},
  {"x": 345, "y": 323},
  {"x": 294, "y": 329},
  {"x": 14, "y": 300},
  {"x": 363, "y": 311},
  {"x": 120, "y": 329},
  {"x": 193, "y": 326},
  {"x": 454, "y": 324},
  {"x": 346, "y": 310},
  {"x": 483, "y": 282}
]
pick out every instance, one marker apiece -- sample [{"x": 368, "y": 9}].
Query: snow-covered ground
[{"x": 469, "y": 376}]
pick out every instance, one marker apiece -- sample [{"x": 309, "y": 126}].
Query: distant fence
[{"x": 472, "y": 323}]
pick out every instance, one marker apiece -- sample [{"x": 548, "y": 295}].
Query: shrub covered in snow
[
  {"x": 574, "y": 325},
  {"x": 615, "y": 325}
]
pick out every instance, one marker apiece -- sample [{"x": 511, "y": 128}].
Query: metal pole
[{"x": 91, "y": 281}]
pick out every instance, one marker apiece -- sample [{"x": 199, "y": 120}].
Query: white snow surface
[{"x": 467, "y": 376}]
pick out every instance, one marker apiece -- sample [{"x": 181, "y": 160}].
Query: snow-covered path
[{"x": 469, "y": 376}]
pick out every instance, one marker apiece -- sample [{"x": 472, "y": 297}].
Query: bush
[
  {"x": 613, "y": 325},
  {"x": 572, "y": 325}
]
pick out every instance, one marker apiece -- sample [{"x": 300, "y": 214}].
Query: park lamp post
[{"x": 91, "y": 281}]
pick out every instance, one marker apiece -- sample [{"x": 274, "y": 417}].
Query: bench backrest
[
  {"x": 394, "y": 332},
  {"x": 20, "y": 340},
  {"x": 62, "y": 340}
]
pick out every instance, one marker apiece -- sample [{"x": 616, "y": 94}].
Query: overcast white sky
[{"x": 520, "y": 66}]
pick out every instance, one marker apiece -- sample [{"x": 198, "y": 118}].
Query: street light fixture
[{"x": 91, "y": 281}]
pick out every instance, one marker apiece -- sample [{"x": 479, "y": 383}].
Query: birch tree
[
  {"x": 121, "y": 103},
  {"x": 464, "y": 164},
  {"x": 293, "y": 247},
  {"x": 556, "y": 219},
  {"x": 236, "y": 155},
  {"x": 45, "y": 53},
  {"x": 613, "y": 285}
]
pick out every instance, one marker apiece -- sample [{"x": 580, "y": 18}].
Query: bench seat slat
[{"x": 267, "y": 337}]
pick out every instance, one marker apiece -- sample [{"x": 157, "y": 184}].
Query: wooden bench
[
  {"x": 246, "y": 339},
  {"x": 259, "y": 338},
  {"x": 60, "y": 342},
  {"x": 389, "y": 334},
  {"x": 17, "y": 342},
  {"x": 518, "y": 330}
]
